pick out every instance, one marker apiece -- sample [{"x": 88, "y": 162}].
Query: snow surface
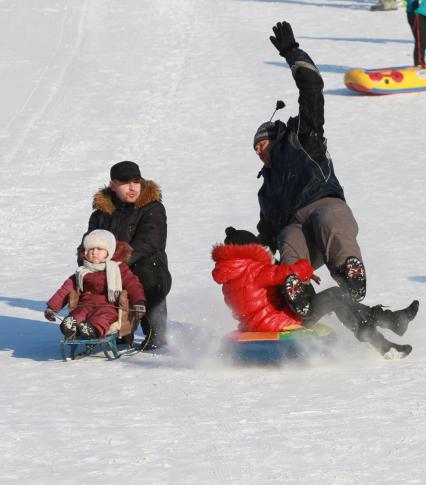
[{"x": 180, "y": 87}]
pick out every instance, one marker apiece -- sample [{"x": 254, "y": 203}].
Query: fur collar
[
  {"x": 150, "y": 192},
  {"x": 256, "y": 252},
  {"x": 123, "y": 252}
]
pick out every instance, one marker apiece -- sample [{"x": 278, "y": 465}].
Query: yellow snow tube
[{"x": 387, "y": 80}]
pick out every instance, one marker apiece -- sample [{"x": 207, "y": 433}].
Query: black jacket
[
  {"x": 301, "y": 170},
  {"x": 144, "y": 226}
]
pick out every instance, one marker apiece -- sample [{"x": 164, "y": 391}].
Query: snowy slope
[{"x": 180, "y": 87}]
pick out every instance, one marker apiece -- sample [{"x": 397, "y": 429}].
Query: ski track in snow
[{"x": 180, "y": 88}]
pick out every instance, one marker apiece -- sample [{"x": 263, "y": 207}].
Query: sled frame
[
  {"x": 108, "y": 345},
  {"x": 125, "y": 325}
]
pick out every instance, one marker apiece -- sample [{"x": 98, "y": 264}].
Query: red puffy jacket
[{"x": 250, "y": 280}]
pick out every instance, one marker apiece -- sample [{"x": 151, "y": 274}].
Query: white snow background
[{"x": 180, "y": 87}]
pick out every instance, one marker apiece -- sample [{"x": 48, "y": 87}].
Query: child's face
[{"x": 96, "y": 255}]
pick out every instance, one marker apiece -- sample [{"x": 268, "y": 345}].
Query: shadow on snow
[
  {"x": 418, "y": 278},
  {"x": 333, "y": 68},
  {"x": 26, "y": 338},
  {"x": 29, "y": 339},
  {"x": 24, "y": 303},
  {"x": 351, "y": 5},
  {"x": 368, "y": 40}
]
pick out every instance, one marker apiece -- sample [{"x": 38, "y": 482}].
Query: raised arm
[{"x": 310, "y": 84}]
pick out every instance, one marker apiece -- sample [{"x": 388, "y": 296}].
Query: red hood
[{"x": 231, "y": 259}]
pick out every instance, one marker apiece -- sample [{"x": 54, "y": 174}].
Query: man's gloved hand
[
  {"x": 49, "y": 314},
  {"x": 140, "y": 311},
  {"x": 284, "y": 38}
]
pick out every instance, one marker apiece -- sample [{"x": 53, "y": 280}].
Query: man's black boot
[
  {"x": 397, "y": 321},
  {"x": 389, "y": 350},
  {"x": 155, "y": 336},
  {"x": 351, "y": 276}
]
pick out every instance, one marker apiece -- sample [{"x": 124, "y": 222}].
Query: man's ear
[{"x": 112, "y": 185}]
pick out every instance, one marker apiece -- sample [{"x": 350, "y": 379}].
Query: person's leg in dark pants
[
  {"x": 421, "y": 39},
  {"x": 325, "y": 231},
  {"x": 360, "y": 319},
  {"x": 418, "y": 28},
  {"x": 154, "y": 323}
]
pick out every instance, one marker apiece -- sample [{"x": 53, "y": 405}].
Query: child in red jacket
[
  {"x": 251, "y": 282},
  {"x": 264, "y": 296},
  {"x": 99, "y": 281}
]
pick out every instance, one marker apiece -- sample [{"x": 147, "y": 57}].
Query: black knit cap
[
  {"x": 125, "y": 171},
  {"x": 266, "y": 131},
  {"x": 239, "y": 236}
]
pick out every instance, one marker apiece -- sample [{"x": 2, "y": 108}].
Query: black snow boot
[
  {"x": 392, "y": 351},
  {"x": 153, "y": 338},
  {"x": 389, "y": 350},
  {"x": 68, "y": 327},
  {"x": 154, "y": 326},
  {"x": 126, "y": 341},
  {"x": 297, "y": 295},
  {"x": 86, "y": 331},
  {"x": 397, "y": 321},
  {"x": 351, "y": 276}
]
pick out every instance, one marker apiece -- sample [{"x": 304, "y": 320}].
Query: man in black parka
[
  {"x": 303, "y": 212},
  {"x": 131, "y": 208}
]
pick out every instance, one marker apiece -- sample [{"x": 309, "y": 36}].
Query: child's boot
[
  {"x": 397, "y": 321},
  {"x": 396, "y": 351},
  {"x": 87, "y": 331},
  {"x": 297, "y": 295},
  {"x": 68, "y": 327},
  {"x": 387, "y": 349},
  {"x": 351, "y": 276}
]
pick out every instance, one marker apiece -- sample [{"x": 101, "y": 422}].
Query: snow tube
[
  {"x": 273, "y": 347},
  {"x": 387, "y": 80}
]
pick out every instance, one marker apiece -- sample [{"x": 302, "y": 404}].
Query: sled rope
[{"x": 97, "y": 306}]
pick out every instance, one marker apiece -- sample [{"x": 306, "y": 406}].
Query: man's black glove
[{"x": 284, "y": 39}]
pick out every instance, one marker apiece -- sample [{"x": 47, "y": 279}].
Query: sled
[
  {"x": 276, "y": 347},
  {"x": 387, "y": 80},
  {"x": 123, "y": 327}
]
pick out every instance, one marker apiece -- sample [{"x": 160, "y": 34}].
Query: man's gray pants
[{"x": 323, "y": 232}]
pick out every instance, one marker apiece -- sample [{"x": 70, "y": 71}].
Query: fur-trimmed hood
[
  {"x": 150, "y": 192},
  {"x": 122, "y": 254},
  {"x": 231, "y": 259}
]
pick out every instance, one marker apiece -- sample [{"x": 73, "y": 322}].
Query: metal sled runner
[{"x": 108, "y": 345}]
